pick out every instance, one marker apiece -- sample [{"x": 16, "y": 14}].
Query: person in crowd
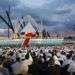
[
  {"x": 53, "y": 68},
  {"x": 71, "y": 68}
]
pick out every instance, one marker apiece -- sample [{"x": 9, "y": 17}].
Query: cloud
[
  {"x": 34, "y": 3},
  {"x": 64, "y": 13},
  {"x": 56, "y": 13}
]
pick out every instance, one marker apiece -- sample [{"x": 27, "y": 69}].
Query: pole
[
  {"x": 8, "y": 33},
  {"x": 8, "y": 21},
  {"x": 41, "y": 28}
]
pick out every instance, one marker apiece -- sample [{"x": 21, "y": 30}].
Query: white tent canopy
[{"x": 28, "y": 29}]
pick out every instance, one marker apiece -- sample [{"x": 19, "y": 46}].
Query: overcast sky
[{"x": 60, "y": 14}]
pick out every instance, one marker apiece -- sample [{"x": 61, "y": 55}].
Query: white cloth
[
  {"x": 25, "y": 63},
  {"x": 66, "y": 62},
  {"x": 23, "y": 55},
  {"x": 71, "y": 67},
  {"x": 56, "y": 60},
  {"x": 57, "y": 63},
  {"x": 55, "y": 57},
  {"x": 28, "y": 61},
  {"x": 62, "y": 57}
]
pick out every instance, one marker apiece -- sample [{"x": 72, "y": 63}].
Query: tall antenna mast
[
  {"x": 41, "y": 28},
  {"x": 8, "y": 20},
  {"x": 14, "y": 8}
]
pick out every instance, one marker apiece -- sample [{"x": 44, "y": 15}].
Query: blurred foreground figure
[
  {"x": 3, "y": 70},
  {"x": 21, "y": 67}
]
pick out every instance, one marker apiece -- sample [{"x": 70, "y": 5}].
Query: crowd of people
[{"x": 52, "y": 60}]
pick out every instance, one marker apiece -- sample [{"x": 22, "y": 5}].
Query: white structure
[
  {"x": 17, "y": 27},
  {"x": 28, "y": 29}
]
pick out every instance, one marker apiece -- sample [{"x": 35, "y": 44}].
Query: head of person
[
  {"x": 27, "y": 56},
  {"x": 68, "y": 56},
  {"x": 51, "y": 61},
  {"x": 18, "y": 59}
]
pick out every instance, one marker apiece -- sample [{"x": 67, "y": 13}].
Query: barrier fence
[{"x": 32, "y": 42}]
